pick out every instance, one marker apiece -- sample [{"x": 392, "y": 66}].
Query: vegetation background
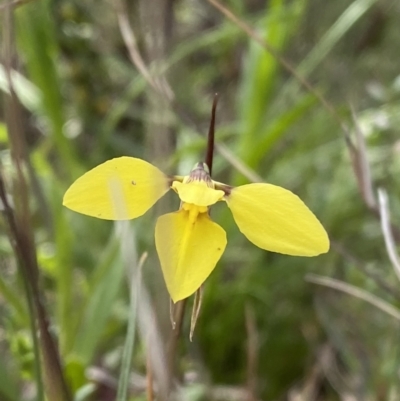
[{"x": 92, "y": 80}]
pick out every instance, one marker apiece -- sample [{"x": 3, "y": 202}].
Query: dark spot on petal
[{"x": 133, "y": 182}]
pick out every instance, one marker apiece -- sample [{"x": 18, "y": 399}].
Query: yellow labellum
[
  {"x": 139, "y": 185},
  {"x": 197, "y": 193},
  {"x": 277, "y": 220},
  {"x": 189, "y": 246}
]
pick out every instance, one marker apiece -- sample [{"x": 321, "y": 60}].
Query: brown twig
[
  {"x": 361, "y": 165},
  {"x": 14, "y": 4},
  {"x": 179, "y": 313},
  {"x": 22, "y": 238},
  {"x": 167, "y": 93},
  {"x": 362, "y": 172},
  {"x": 159, "y": 84},
  {"x": 355, "y": 292},
  {"x": 101, "y": 376},
  {"x": 252, "y": 353},
  {"x": 361, "y": 265},
  {"x": 328, "y": 362},
  {"x": 387, "y": 231},
  {"x": 282, "y": 61},
  {"x": 309, "y": 387},
  {"x": 155, "y": 346},
  {"x": 238, "y": 164},
  {"x": 131, "y": 44}
]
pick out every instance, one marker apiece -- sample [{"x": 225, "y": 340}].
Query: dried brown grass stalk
[{"x": 20, "y": 232}]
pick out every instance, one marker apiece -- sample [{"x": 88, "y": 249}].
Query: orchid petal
[
  {"x": 123, "y": 183},
  {"x": 189, "y": 250},
  {"x": 197, "y": 193},
  {"x": 277, "y": 220}
]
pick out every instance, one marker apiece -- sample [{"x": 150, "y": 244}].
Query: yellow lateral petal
[
  {"x": 197, "y": 193},
  {"x": 123, "y": 183},
  {"x": 277, "y": 220},
  {"x": 188, "y": 251}
]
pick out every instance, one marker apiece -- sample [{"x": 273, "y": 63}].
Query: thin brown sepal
[
  {"x": 198, "y": 298},
  {"x": 211, "y": 135},
  {"x": 171, "y": 314}
]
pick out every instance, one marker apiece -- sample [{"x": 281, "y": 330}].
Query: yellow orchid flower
[{"x": 189, "y": 244}]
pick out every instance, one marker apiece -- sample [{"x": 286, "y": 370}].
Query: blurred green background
[{"x": 265, "y": 332}]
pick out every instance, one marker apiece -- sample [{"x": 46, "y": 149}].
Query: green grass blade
[
  {"x": 275, "y": 130},
  {"x": 334, "y": 34},
  {"x": 328, "y": 41},
  {"x": 104, "y": 288},
  {"x": 64, "y": 274},
  {"x": 36, "y": 37},
  {"x": 123, "y": 382},
  {"x": 261, "y": 72}
]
